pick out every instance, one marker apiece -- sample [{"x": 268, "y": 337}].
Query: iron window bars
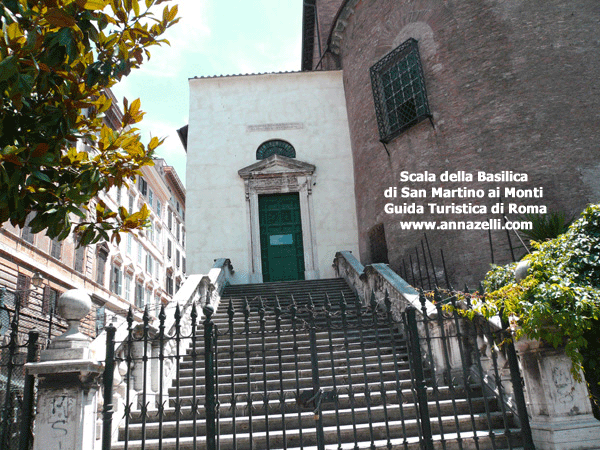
[
  {"x": 273, "y": 147},
  {"x": 399, "y": 91}
]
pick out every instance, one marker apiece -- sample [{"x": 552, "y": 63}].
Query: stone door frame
[{"x": 279, "y": 175}]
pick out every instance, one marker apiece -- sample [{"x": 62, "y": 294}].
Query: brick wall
[{"x": 512, "y": 85}]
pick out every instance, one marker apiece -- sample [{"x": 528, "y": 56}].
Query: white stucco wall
[{"x": 223, "y": 137}]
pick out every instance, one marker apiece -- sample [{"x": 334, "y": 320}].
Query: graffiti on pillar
[
  {"x": 563, "y": 383},
  {"x": 58, "y": 422}
]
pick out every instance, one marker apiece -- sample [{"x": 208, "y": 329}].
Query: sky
[{"x": 213, "y": 37}]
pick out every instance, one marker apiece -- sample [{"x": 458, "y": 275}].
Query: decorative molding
[{"x": 275, "y": 127}]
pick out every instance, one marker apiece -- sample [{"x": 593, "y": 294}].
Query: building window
[
  {"x": 149, "y": 261},
  {"x": 100, "y": 319},
  {"x": 129, "y": 243},
  {"x": 116, "y": 279},
  {"x": 178, "y": 231},
  {"x": 150, "y": 198},
  {"x": 399, "y": 91},
  {"x": 148, "y": 296},
  {"x": 128, "y": 283},
  {"x": 169, "y": 284},
  {"x": 170, "y": 220},
  {"x": 169, "y": 250},
  {"x": 183, "y": 238},
  {"x": 139, "y": 295},
  {"x": 140, "y": 253},
  {"x": 177, "y": 258},
  {"x": 118, "y": 196},
  {"x": 183, "y": 265},
  {"x": 275, "y": 147},
  {"x": 157, "y": 236},
  {"x": 79, "y": 256},
  {"x": 131, "y": 201},
  {"x": 151, "y": 232},
  {"x": 55, "y": 248},
  {"x": 22, "y": 294},
  {"x": 143, "y": 187},
  {"x": 158, "y": 208},
  {"x": 27, "y": 235},
  {"x": 101, "y": 266},
  {"x": 49, "y": 300}
]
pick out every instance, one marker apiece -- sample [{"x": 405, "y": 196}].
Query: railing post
[
  {"x": 517, "y": 384},
  {"x": 108, "y": 381},
  {"x": 314, "y": 359},
  {"x": 210, "y": 405},
  {"x": 421, "y": 388},
  {"x": 27, "y": 409}
]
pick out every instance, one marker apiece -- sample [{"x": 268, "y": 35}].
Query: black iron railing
[{"x": 318, "y": 370}]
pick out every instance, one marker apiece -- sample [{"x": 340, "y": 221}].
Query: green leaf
[{"x": 41, "y": 176}]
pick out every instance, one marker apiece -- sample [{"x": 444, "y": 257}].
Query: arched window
[{"x": 275, "y": 147}]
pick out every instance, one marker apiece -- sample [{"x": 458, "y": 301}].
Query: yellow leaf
[
  {"x": 92, "y": 4},
  {"x": 135, "y": 106},
  {"x": 14, "y": 31}
]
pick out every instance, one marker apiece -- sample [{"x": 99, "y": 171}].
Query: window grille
[
  {"x": 275, "y": 147},
  {"x": 399, "y": 91}
]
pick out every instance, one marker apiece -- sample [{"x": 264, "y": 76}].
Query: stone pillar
[
  {"x": 560, "y": 408},
  {"x": 69, "y": 380}
]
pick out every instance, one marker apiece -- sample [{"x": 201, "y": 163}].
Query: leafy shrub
[{"x": 559, "y": 300}]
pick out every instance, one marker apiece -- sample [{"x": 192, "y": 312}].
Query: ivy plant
[{"x": 559, "y": 300}]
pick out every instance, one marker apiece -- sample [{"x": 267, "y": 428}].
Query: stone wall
[{"x": 511, "y": 86}]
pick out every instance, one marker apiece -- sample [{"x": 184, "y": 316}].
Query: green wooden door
[{"x": 281, "y": 237}]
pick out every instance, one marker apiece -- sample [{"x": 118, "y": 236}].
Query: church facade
[{"x": 270, "y": 175}]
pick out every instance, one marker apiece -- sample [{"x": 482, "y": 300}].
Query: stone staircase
[{"x": 265, "y": 384}]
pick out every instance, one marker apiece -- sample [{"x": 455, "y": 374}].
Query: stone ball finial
[{"x": 74, "y": 304}]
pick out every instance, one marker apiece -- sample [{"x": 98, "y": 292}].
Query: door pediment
[{"x": 276, "y": 165}]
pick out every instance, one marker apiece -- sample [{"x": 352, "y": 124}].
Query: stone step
[
  {"x": 449, "y": 441},
  {"x": 274, "y": 382},
  {"x": 372, "y": 363},
  {"x": 378, "y": 417},
  {"x": 271, "y": 366},
  {"x": 444, "y": 398}
]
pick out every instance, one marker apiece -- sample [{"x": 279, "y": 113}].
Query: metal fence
[
  {"x": 321, "y": 374},
  {"x": 473, "y": 370},
  {"x": 18, "y": 345}
]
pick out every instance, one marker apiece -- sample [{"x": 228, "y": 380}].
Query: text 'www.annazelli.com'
[{"x": 491, "y": 224}]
